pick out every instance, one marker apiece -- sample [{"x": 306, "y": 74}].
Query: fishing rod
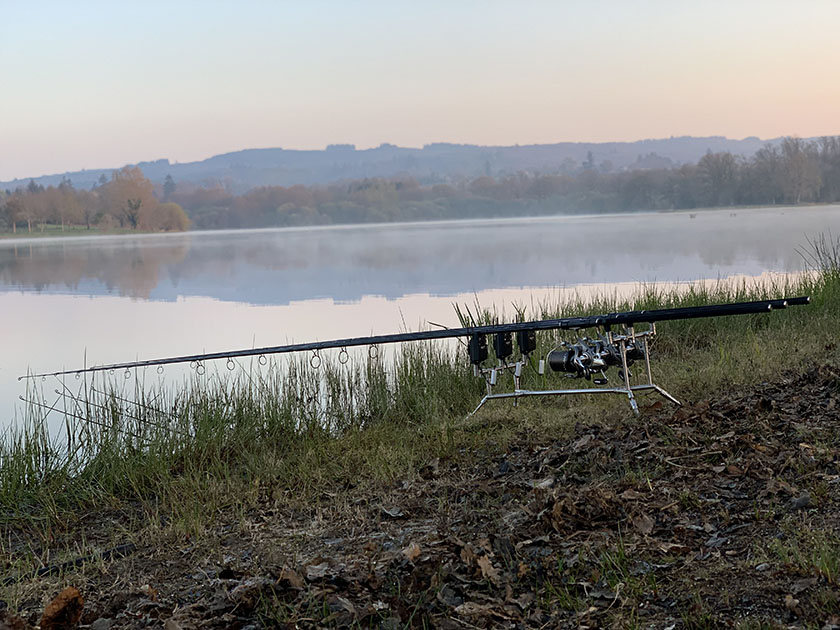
[
  {"x": 572, "y": 323},
  {"x": 583, "y": 359}
]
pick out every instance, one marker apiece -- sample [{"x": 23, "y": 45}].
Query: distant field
[{"x": 53, "y": 231}]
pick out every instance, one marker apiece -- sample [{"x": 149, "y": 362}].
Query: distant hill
[{"x": 441, "y": 162}]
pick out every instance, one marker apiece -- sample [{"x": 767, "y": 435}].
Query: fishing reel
[{"x": 587, "y": 356}]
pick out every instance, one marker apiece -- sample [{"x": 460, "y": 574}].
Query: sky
[{"x": 88, "y": 84}]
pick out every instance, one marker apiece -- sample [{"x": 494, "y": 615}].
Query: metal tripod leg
[
  {"x": 667, "y": 395},
  {"x": 626, "y": 373},
  {"x": 650, "y": 374}
]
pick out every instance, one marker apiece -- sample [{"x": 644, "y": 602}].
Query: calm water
[{"x": 73, "y": 301}]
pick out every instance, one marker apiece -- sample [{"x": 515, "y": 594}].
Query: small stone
[
  {"x": 102, "y": 624},
  {"x": 448, "y": 597},
  {"x": 391, "y": 623},
  {"x": 801, "y": 502},
  {"x": 544, "y": 484},
  {"x": 317, "y": 571},
  {"x": 393, "y": 512},
  {"x": 832, "y": 623},
  {"x": 762, "y": 567}
]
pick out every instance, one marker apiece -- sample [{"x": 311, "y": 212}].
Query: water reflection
[
  {"x": 128, "y": 267},
  {"x": 64, "y": 302},
  {"x": 346, "y": 263}
]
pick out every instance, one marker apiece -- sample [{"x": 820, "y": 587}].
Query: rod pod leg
[
  {"x": 626, "y": 374},
  {"x": 656, "y": 387}
]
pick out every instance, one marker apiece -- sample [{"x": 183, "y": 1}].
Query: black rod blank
[{"x": 627, "y": 318}]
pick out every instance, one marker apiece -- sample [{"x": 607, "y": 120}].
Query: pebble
[{"x": 801, "y": 502}]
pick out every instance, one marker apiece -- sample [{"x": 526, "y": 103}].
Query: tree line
[
  {"x": 128, "y": 200},
  {"x": 792, "y": 172}
]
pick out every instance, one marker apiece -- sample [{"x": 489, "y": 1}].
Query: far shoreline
[{"x": 83, "y": 233}]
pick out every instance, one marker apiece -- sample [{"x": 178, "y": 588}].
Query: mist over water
[
  {"x": 276, "y": 267},
  {"x": 97, "y": 300}
]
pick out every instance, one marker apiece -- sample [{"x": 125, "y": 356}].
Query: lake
[{"x": 73, "y": 301}]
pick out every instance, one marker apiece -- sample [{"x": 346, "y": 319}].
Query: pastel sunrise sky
[{"x": 101, "y": 84}]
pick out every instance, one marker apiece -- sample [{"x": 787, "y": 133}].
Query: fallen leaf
[
  {"x": 289, "y": 579},
  {"x": 432, "y": 469},
  {"x": 412, "y": 552},
  {"x": 337, "y": 602},
  {"x": 472, "y": 609},
  {"x": 488, "y": 570},
  {"x": 64, "y": 611},
  {"x": 604, "y": 594},
  {"x": 582, "y": 442},
  {"x": 783, "y": 485},
  {"x": 248, "y": 593},
  {"x": 631, "y": 495},
  {"x": 149, "y": 591},
  {"x": 667, "y": 547},
  {"x": 525, "y": 600},
  {"x": 468, "y": 555},
  {"x": 802, "y": 585},
  {"x": 716, "y": 541},
  {"x": 643, "y": 523}
]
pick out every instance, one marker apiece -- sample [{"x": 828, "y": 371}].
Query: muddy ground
[{"x": 724, "y": 513}]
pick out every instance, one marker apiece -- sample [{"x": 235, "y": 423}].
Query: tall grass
[{"x": 220, "y": 443}]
